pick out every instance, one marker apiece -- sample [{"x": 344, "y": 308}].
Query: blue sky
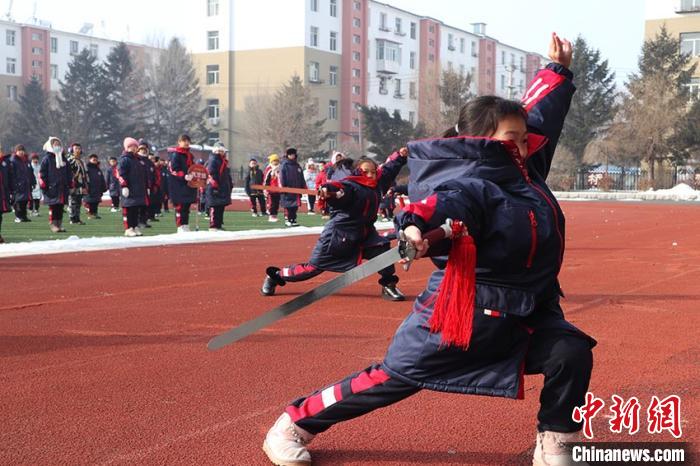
[{"x": 614, "y": 27}]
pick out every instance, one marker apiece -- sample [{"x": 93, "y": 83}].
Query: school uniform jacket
[
  {"x": 132, "y": 175},
  {"x": 180, "y": 161},
  {"x": 96, "y": 183},
  {"x": 219, "y": 182},
  {"x": 6, "y": 183},
  {"x": 351, "y": 227},
  {"x": 23, "y": 177},
  {"x": 518, "y": 228},
  {"x": 291, "y": 176},
  {"x": 55, "y": 182},
  {"x": 113, "y": 181},
  {"x": 253, "y": 177}
]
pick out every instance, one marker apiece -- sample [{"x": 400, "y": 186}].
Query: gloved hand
[
  {"x": 188, "y": 177},
  {"x": 125, "y": 191}
]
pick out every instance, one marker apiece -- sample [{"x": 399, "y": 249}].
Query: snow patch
[{"x": 680, "y": 192}]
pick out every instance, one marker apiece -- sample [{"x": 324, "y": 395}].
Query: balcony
[
  {"x": 399, "y": 32},
  {"x": 451, "y": 47},
  {"x": 687, "y": 6},
  {"x": 398, "y": 95},
  {"x": 387, "y": 66},
  {"x": 384, "y": 28}
]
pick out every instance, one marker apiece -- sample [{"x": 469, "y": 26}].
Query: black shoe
[
  {"x": 272, "y": 280},
  {"x": 77, "y": 222},
  {"x": 25, "y": 220},
  {"x": 391, "y": 293}
]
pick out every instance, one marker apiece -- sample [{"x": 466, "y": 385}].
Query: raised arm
[
  {"x": 391, "y": 168},
  {"x": 547, "y": 102}
]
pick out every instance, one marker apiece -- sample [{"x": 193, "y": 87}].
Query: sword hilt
[{"x": 408, "y": 251}]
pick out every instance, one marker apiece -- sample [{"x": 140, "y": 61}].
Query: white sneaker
[
  {"x": 138, "y": 231},
  {"x": 285, "y": 444},
  {"x": 288, "y": 223},
  {"x": 18, "y": 220},
  {"x": 130, "y": 232},
  {"x": 311, "y": 213},
  {"x": 551, "y": 450},
  {"x": 272, "y": 219},
  {"x": 254, "y": 215},
  {"x": 114, "y": 209},
  {"x": 183, "y": 229}
]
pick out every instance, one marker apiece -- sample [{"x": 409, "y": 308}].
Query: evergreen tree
[
  {"x": 662, "y": 55},
  {"x": 593, "y": 102},
  {"x": 80, "y": 109},
  {"x": 118, "y": 95},
  {"x": 30, "y": 123},
  {"x": 387, "y": 133},
  {"x": 173, "y": 102}
]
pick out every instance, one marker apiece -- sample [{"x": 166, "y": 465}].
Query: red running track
[{"x": 103, "y": 357}]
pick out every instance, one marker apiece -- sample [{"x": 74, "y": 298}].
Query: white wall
[
  {"x": 10, "y": 51},
  {"x": 265, "y": 24},
  {"x": 405, "y": 73},
  {"x": 457, "y": 57},
  {"x": 513, "y": 56},
  {"x": 63, "y": 56},
  {"x": 325, "y": 23},
  {"x": 658, "y": 9}
]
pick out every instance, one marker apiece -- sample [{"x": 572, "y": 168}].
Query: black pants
[
  {"x": 306, "y": 271},
  {"x": 274, "y": 204},
  {"x": 0, "y": 221},
  {"x": 115, "y": 201},
  {"x": 56, "y": 214},
  {"x": 292, "y": 213},
  {"x": 166, "y": 199},
  {"x": 564, "y": 358},
  {"x": 311, "y": 202},
  {"x": 143, "y": 215},
  {"x": 92, "y": 208},
  {"x": 216, "y": 216},
  {"x": 131, "y": 217},
  {"x": 202, "y": 206},
  {"x": 74, "y": 203},
  {"x": 21, "y": 210},
  {"x": 182, "y": 214},
  {"x": 35, "y": 204},
  {"x": 260, "y": 199}
]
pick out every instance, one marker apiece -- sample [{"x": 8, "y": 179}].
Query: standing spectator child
[
  {"x": 291, "y": 176},
  {"x": 133, "y": 182},
  {"x": 96, "y": 186},
  {"x": 113, "y": 183},
  {"x": 271, "y": 178},
  {"x": 55, "y": 179},
  {"x": 255, "y": 176},
  {"x": 156, "y": 196},
  {"x": 149, "y": 173},
  {"x": 23, "y": 183},
  {"x": 202, "y": 202},
  {"x": 219, "y": 187},
  {"x": 164, "y": 180},
  {"x": 6, "y": 183},
  {"x": 36, "y": 191},
  {"x": 181, "y": 194},
  {"x": 310, "y": 175},
  {"x": 79, "y": 185}
]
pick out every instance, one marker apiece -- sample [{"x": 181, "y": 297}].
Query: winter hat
[
  {"x": 144, "y": 143},
  {"x": 253, "y": 159},
  {"x": 310, "y": 162},
  {"x": 336, "y": 156},
  {"x": 273, "y": 157},
  {"x": 128, "y": 142},
  {"x": 218, "y": 147}
]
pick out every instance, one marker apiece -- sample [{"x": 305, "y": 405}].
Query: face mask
[{"x": 57, "y": 149}]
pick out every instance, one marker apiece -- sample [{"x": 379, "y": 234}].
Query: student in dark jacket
[
  {"x": 96, "y": 186},
  {"x": 35, "y": 201},
  {"x": 149, "y": 172},
  {"x": 113, "y": 183},
  {"x": 181, "y": 195},
  {"x": 219, "y": 186},
  {"x": 255, "y": 176},
  {"x": 491, "y": 311},
  {"x": 164, "y": 183},
  {"x": 79, "y": 186},
  {"x": 6, "y": 183},
  {"x": 24, "y": 182},
  {"x": 291, "y": 176},
  {"x": 133, "y": 182},
  {"x": 55, "y": 179},
  {"x": 349, "y": 236},
  {"x": 156, "y": 197}
]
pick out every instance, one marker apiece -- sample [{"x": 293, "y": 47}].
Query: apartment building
[
  {"x": 682, "y": 20},
  {"x": 348, "y": 52}
]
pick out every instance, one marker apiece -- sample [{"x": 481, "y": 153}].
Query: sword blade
[{"x": 290, "y": 307}]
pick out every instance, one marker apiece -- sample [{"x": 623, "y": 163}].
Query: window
[
  {"x": 94, "y": 50},
  {"x": 689, "y": 5},
  {"x": 382, "y": 85},
  {"x": 212, "y": 74},
  {"x": 358, "y": 107},
  {"x": 314, "y": 72},
  {"x": 521, "y": 86},
  {"x": 503, "y": 81},
  {"x": 462, "y": 69},
  {"x": 412, "y": 117},
  {"x": 333, "y": 76},
  {"x": 413, "y": 30},
  {"x": 37, "y": 51},
  {"x": 462, "y": 45},
  {"x": 356, "y": 22},
  {"x": 398, "y": 26},
  {"x": 357, "y": 6},
  {"x": 332, "y": 142},
  {"x": 388, "y": 51},
  {"x": 431, "y": 43},
  {"x": 503, "y": 57},
  {"x": 694, "y": 88},
  {"x": 12, "y": 93},
  {"x": 356, "y": 39},
  {"x": 690, "y": 43},
  {"x": 11, "y": 66},
  {"x": 334, "y": 41},
  {"x": 512, "y": 59},
  {"x": 332, "y": 109},
  {"x": 450, "y": 42},
  {"x": 11, "y": 37},
  {"x": 37, "y": 36},
  {"x": 74, "y": 47},
  {"x": 213, "y": 108},
  {"x": 54, "y": 45},
  {"x": 313, "y": 39},
  {"x": 356, "y": 56},
  {"x": 382, "y": 22},
  {"x": 355, "y": 122},
  {"x": 431, "y": 57},
  {"x": 356, "y": 138},
  {"x": 37, "y": 63},
  {"x": 412, "y": 90},
  {"x": 522, "y": 64},
  {"x": 314, "y": 5},
  {"x": 355, "y": 90},
  {"x": 474, "y": 48},
  {"x": 397, "y": 88},
  {"x": 334, "y": 8},
  {"x": 355, "y": 73},
  {"x": 54, "y": 71},
  {"x": 213, "y": 138},
  {"x": 212, "y": 40},
  {"x": 412, "y": 60},
  {"x": 431, "y": 28},
  {"x": 212, "y": 7}
]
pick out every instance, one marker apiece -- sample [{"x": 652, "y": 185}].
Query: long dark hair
[{"x": 481, "y": 115}]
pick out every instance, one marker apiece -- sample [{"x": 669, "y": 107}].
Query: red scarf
[{"x": 363, "y": 180}]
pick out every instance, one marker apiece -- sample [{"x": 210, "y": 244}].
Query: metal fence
[{"x": 624, "y": 179}]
